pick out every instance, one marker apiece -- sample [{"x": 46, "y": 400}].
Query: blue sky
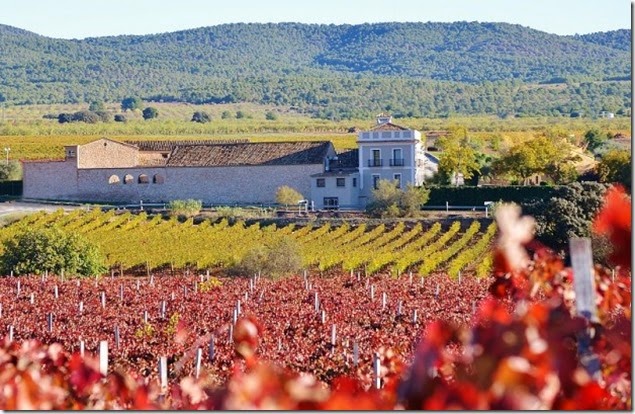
[{"x": 85, "y": 18}]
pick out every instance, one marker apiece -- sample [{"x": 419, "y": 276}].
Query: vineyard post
[
  {"x": 414, "y": 317},
  {"x": 121, "y": 293},
  {"x": 77, "y": 282},
  {"x": 366, "y": 281},
  {"x": 185, "y": 291},
  {"x": 399, "y": 309},
  {"x": 18, "y": 289},
  {"x": 279, "y": 344},
  {"x": 447, "y": 206},
  {"x": 473, "y": 307},
  {"x": 231, "y": 333},
  {"x": 376, "y": 369},
  {"x": 333, "y": 335},
  {"x": 81, "y": 307},
  {"x": 112, "y": 273},
  {"x": 195, "y": 286},
  {"x": 355, "y": 354},
  {"x": 81, "y": 348},
  {"x": 372, "y": 292},
  {"x": 163, "y": 309},
  {"x": 304, "y": 273},
  {"x": 103, "y": 357},
  {"x": 0, "y": 310},
  {"x": 46, "y": 275},
  {"x": 145, "y": 317},
  {"x": 49, "y": 321},
  {"x": 32, "y": 298},
  {"x": 613, "y": 275},
  {"x": 117, "y": 337},
  {"x": 316, "y": 302},
  {"x": 235, "y": 316},
  {"x": 436, "y": 293},
  {"x": 103, "y": 300},
  {"x": 197, "y": 364},
  {"x": 246, "y": 296},
  {"x": 151, "y": 280},
  {"x": 358, "y": 276},
  {"x": 323, "y": 316},
  {"x": 238, "y": 307},
  {"x": 459, "y": 277},
  {"x": 211, "y": 349},
  {"x": 10, "y": 333},
  {"x": 206, "y": 274},
  {"x": 251, "y": 285},
  {"x": 163, "y": 372},
  {"x": 410, "y": 277},
  {"x": 383, "y": 301},
  {"x": 421, "y": 281},
  {"x": 584, "y": 285},
  {"x": 138, "y": 284},
  {"x": 172, "y": 295},
  {"x": 147, "y": 268},
  {"x": 62, "y": 275}
]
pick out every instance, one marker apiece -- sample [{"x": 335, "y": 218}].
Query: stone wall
[
  {"x": 105, "y": 153},
  {"x": 222, "y": 185}
]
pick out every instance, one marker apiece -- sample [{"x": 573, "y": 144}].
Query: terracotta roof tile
[
  {"x": 389, "y": 126},
  {"x": 168, "y": 146},
  {"x": 262, "y": 153}
]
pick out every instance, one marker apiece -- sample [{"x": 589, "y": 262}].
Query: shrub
[
  {"x": 201, "y": 117},
  {"x": 187, "y": 208},
  {"x": 150, "y": 113},
  {"x": 390, "y": 201},
  {"x": 287, "y": 195},
  {"x": 120, "y": 118},
  {"x": 11, "y": 171},
  {"x": 50, "y": 249},
  {"x": 271, "y": 116},
  {"x": 280, "y": 258}
]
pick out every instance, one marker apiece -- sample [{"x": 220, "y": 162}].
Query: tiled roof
[
  {"x": 346, "y": 160},
  {"x": 389, "y": 126},
  {"x": 262, "y": 153},
  {"x": 167, "y": 146}
]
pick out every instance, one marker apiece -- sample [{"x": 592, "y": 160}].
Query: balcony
[
  {"x": 397, "y": 162},
  {"x": 375, "y": 163}
]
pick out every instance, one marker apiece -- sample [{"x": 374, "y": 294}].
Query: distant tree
[
  {"x": 120, "y": 118},
  {"x": 568, "y": 213},
  {"x": 64, "y": 118},
  {"x": 186, "y": 208},
  {"x": 411, "y": 200},
  {"x": 240, "y": 115},
  {"x": 150, "y": 113},
  {"x": 226, "y": 115},
  {"x": 97, "y": 106},
  {"x": 287, "y": 195},
  {"x": 50, "y": 249},
  {"x": 271, "y": 116},
  {"x": 201, "y": 117},
  {"x": 86, "y": 116},
  {"x": 594, "y": 139},
  {"x": 130, "y": 103},
  {"x": 104, "y": 116},
  {"x": 615, "y": 167}
]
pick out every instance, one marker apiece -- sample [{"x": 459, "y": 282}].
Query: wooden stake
[
  {"x": 103, "y": 357},
  {"x": 333, "y": 335},
  {"x": 49, "y": 320},
  {"x": 121, "y": 293},
  {"x": 32, "y": 298},
  {"x": 211, "y": 349},
  {"x": 279, "y": 344},
  {"x": 383, "y": 301},
  {"x": 323, "y": 316},
  {"x": 355, "y": 354},
  {"x": 163, "y": 372},
  {"x": 117, "y": 337},
  {"x": 103, "y": 300},
  {"x": 56, "y": 292},
  {"x": 399, "y": 309},
  {"x": 197, "y": 364},
  {"x": 238, "y": 307},
  {"x": 372, "y": 292},
  {"x": 235, "y": 316},
  {"x": 231, "y": 333},
  {"x": 410, "y": 278},
  {"x": 145, "y": 317},
  {"x": 138, "y": 284},
  {"x": 81, "y": 307},
  {"x": 316, "y": 302},
  {"x": 376, "y": 370},
  {"x": 163, "y": 309},
  {"x": 436, "y": 294},
  {"x": 414, "y": 316},
  {"x": 18, "y": 289},
  {"x": 81, "y": 348},
  {"x": 584, "y": 285},
  {"x": 10, "y": 333}
]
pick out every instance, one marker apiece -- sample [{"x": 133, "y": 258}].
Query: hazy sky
[{"x": 86, "y": 18}]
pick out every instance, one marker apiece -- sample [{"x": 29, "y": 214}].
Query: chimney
[{"x": 383, "y": 118}]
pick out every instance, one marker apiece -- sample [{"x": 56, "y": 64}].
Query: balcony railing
[
  {"x": 397, "y": 162},
  {"x": 375, "y": 163}
]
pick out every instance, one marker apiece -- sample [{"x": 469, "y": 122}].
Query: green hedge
[
  {"x": 476, "y": 196},
  {"x": 11, "y": 188}
]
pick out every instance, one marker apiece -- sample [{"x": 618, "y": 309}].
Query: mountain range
[{"x": 415, "y": 69}]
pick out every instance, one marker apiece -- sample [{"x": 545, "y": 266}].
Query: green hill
[{"x": 432, "y": 69}]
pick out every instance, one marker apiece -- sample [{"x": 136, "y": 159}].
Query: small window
[
  {"x": 354, "y": 181},
  {"x": 143, "y": 179},
  {"x": 158, "y": 179},
  {"x": 376, "y": 181},
  {"x": 321, "y": 182},
  {"x": 128, "y": 179},
  {"x": 397, "y": 178},
  {"x": 341, "y": 182},
  {"x": 114, "y": 179},
  {"x": 331, "y": 203}
]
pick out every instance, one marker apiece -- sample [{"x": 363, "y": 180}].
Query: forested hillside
[{"x": 334, "y": 71}]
